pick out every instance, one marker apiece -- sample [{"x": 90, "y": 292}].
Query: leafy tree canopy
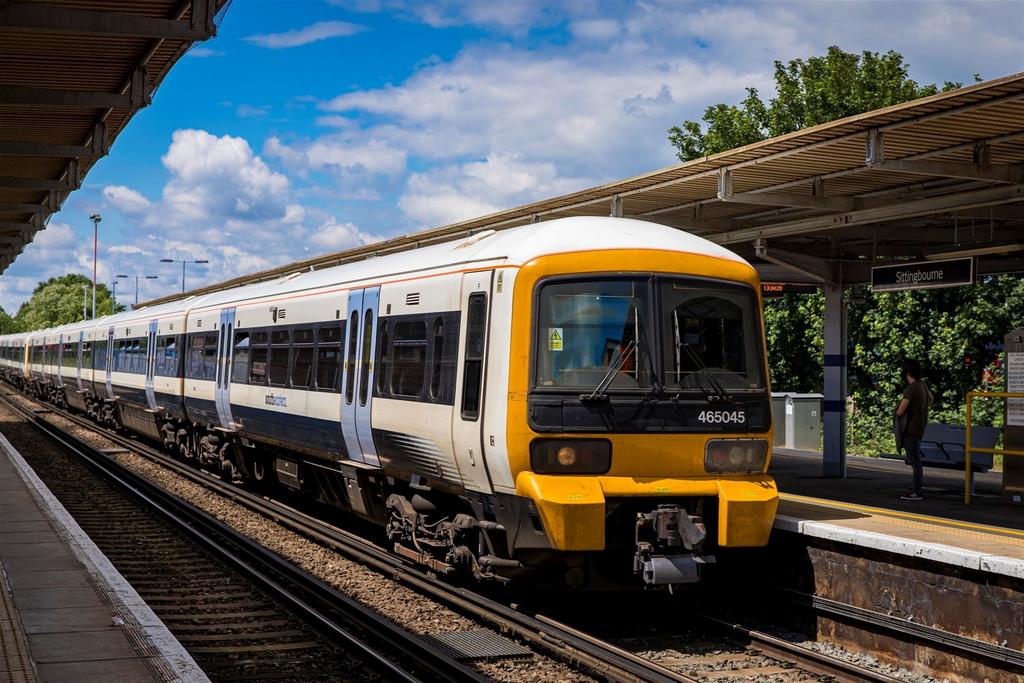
[
  {"x": 956, "y": 333},
  {"x": 58, "y": 301},
  {"x": 7, "y": 323},
  {"x": 808, "y": 92}
]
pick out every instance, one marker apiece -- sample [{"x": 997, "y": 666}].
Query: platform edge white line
[
  {"x": 935, "y": 552},
  {"x": 103, "y": 572}
]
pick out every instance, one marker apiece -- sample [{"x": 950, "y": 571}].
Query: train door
[
  {"x": 78, "y": 363},
  {"x": 150, "y": 364},
  {"x": 110, "y": 362},
  {"x": 59, "y": 356},
  {"x": 357, "y": 375},
  {"x": 467, "y": 422},
  {"x": 222, "y": 386}
]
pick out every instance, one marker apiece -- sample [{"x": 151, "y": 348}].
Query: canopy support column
[{"x": 834, "y": 463}]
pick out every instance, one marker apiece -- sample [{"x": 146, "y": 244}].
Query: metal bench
[{"x": 943, "y": 446}]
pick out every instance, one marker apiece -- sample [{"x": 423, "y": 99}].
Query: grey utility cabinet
[{"x": 797, "y": 420}]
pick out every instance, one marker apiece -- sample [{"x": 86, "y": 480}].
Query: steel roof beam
[
  {"x": 20, "y": 227},
  {"x": 24, "y": 16},
  {"x": 14, "y": 95},
  {"x": 23, "y": 183},
  {"x": 24, "y": 208},
  {"x": 910, "y": 208},
  {"x": 98, "y": 148},
  {"x": 999, "y": 173},
  {"x": 45, "y": 149},
  {"x": 816, "y": 269}
]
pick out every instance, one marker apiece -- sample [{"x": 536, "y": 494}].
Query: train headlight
[
  {"x": 735, "y": 455},
  {"x": 570, "y": 456}
]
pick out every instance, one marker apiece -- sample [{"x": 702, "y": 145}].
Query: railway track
[
  {"x": 241, "y": 612},
  {"x": 750, "y": 652}
]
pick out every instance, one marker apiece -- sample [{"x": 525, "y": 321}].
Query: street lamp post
[
  {"x": 95, "y": 218},
  {"x": 137, "y": 278},
  {"x": 113, "y": 295},
  {"x": 182, "y": 262}
]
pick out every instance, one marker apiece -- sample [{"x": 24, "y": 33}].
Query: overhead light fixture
[{"x": 980, "y": 251}]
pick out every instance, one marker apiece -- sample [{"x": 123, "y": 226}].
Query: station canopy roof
[
  {"x": 935, "y": 176},
  {"x": 72, "y": 75}
]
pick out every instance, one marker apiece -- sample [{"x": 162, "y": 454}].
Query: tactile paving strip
[
  {"x": 15, "y": 665},
  {"x": 477, "y": 644}
]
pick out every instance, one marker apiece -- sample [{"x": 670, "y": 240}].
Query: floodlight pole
[
  {"x": 95, "y": 218},
  {"x": 182, "y": 262}
]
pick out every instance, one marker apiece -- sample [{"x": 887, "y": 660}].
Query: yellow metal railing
[{"x": 968, "y": 473}]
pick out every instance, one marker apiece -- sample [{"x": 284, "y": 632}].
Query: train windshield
[{"x": 689, "y": 333}]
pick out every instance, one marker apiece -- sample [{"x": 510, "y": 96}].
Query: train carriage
[{"x": 584, "y": 400}]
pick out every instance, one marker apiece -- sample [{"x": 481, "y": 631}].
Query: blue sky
[{"x": 310, "y": 126}]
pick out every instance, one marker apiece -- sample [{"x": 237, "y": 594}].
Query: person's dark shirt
[{"x": 917, "y": 411}]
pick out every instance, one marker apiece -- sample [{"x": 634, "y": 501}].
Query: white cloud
[
  {"x": 458, "y": 192},
  {"x": 201, "y": 52},
  {"x": 252, "y": 111},
  {"x": 220, "y": 177},
  {"x": 605, "y": 116},
  {"x": 334, "y": 236},
  {"x": 321, "y": 30},
  {"x": 224, "y": 204},
  {"x": 126, "y": 199}
]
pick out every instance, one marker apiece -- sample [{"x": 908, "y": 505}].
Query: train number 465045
[{"x": 719, "y": 417}]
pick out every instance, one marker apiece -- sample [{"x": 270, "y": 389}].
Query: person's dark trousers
[{"x": 913, "y": 449}]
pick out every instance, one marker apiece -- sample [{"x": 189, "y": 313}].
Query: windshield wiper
[
  {"x": 720, "y": 393},
  {"x": 598, "y": 393}
]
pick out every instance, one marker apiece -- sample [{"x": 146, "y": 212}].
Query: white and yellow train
[{"x": 583, "y": 399}]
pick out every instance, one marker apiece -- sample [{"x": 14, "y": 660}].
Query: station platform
[
  {"x": 865, "y": 509},
  {"x": 65, "y": 613}
]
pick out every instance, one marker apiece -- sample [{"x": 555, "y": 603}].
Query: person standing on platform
[{"x": 912, "y": 413}]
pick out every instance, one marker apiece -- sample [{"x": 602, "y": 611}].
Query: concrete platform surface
[
  {"x": 65, "y": 613},
  {"x": 865, "y": 509}
]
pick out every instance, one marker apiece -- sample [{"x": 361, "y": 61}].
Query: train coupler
[{"x": 668, "y": 546}]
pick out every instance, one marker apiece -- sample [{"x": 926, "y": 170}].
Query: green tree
[
  {"x": 58, "y": 301},
  {"x": 808, "y": 92},
  {"x": 7, "y": 324},
  {"x": 955, "y": 333}
]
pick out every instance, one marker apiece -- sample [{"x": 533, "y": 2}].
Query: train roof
[{"x": 514, "y": 246}]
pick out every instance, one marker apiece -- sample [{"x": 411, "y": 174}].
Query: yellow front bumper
[{"x": 572, "y": 507}]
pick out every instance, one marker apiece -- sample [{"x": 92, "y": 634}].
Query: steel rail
[
  {"x": 805, "y": 658},
  {"x": 928, "y": 634},
  {"x": 564, "y": 643},
  {"x": 559, "y": 639},
  {"x": 259, "y": 564}
]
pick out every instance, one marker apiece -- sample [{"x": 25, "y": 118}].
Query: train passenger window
[
  {"x": 409, "y": 359},
  {"x": 350, "y": 360},
  {"x": 165, "y": 362},
  {"x": 258, "y": 364},
  {"x": 302, "y": 357},
  {"x": 100, "y": 355},
  {"x": 364, "y": 371},
  {"x": 242, "y": 354},
  {"x": 86, "y": 355},
  {"x": 202, "y": 356},
  {"x": 383, "y": 355},
  {"x": 476, "y": 325},
  {"x": 328, "y": 360},
  {"x": 143, "y": 355},
  {"x": 278, "y": 365},
  {"x": 438, "y": 355}
]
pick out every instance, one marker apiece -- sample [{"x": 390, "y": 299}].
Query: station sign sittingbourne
[
  {"x": 771, "y": 289},
  {"x": 923, "y": 275}
]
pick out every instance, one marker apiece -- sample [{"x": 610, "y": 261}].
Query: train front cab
[{"x": 655, "y": 461}]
